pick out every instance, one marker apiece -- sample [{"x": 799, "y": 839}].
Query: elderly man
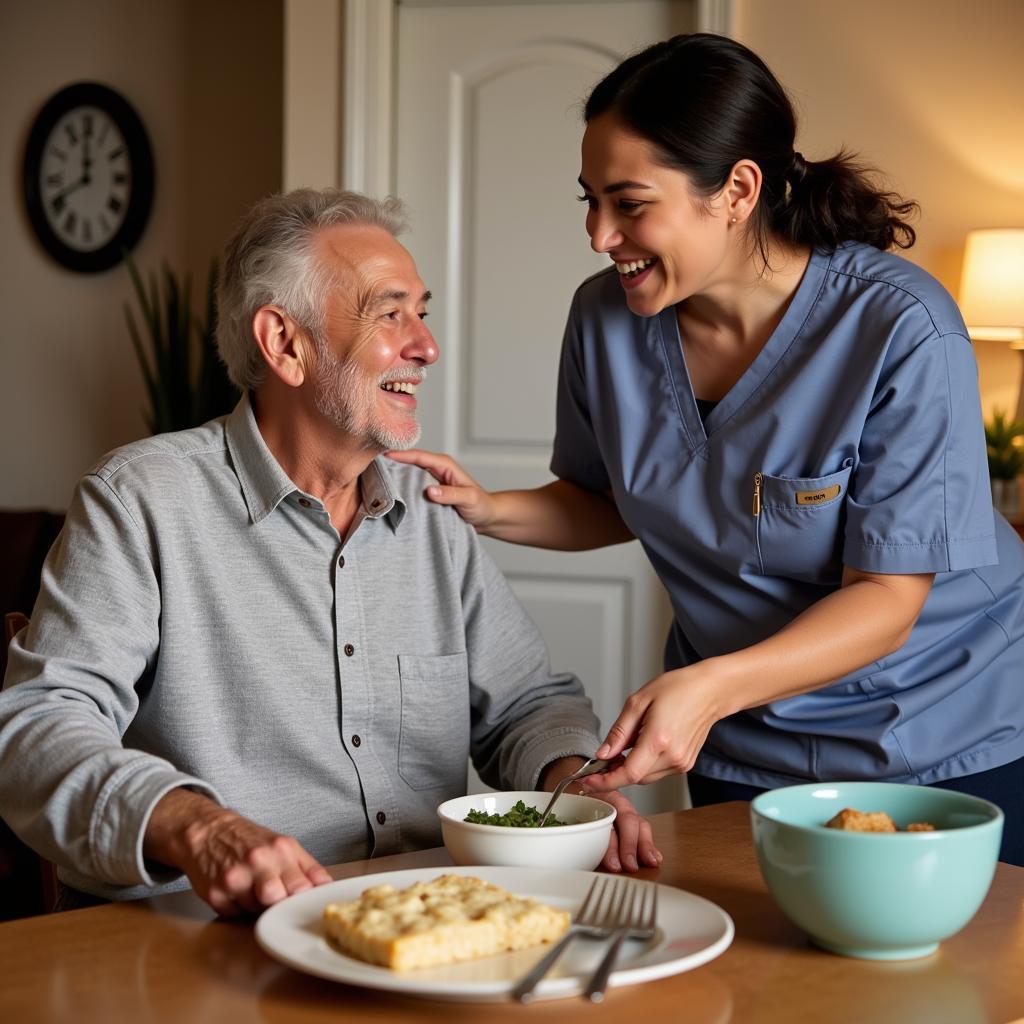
[{"x": 257, "y": 648}]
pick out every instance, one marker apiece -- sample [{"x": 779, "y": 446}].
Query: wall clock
[{"x": 88, "y": 177}]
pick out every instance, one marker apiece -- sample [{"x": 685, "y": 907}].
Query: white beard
[{"x": 347, "y": 396}]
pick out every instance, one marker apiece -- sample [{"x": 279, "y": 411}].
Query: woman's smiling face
[{"x": 668, "y": 242}]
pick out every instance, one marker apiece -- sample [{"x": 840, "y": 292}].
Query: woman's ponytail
[{"x": 828, "y": 202}]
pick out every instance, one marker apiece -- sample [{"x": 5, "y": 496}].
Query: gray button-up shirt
[{"x": 201, "y": 623}]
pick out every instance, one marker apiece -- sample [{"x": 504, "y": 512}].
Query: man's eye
[{"x": 391, "y": 315}]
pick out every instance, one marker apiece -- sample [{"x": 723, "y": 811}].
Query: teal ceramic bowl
[{"x": 881, "y": 896}]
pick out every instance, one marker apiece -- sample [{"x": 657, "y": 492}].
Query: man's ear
[{"x": 284, "y": 346}]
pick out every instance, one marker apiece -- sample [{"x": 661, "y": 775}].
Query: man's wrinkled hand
[
  {"x": 234, "y": 864},
  {"x": 631, "y": 845}
]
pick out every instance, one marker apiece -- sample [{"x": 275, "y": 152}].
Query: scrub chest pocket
[
  {"x": 799, "y": 523},
  {"x": 434, "y": 741}
]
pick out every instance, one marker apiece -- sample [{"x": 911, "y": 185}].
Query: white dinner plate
[{"x": 691, "y": 931}]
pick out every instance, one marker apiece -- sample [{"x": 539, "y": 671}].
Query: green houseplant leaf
[
  {"x": 1003, "y": 438},
  {"x": 215, "y": 394},
  {"x": 183, "y": 391}
]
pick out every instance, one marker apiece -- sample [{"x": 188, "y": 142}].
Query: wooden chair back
[{"x": 14, "y": 622}]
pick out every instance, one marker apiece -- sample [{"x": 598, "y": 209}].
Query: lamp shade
[{"x": 992, "y": 286}]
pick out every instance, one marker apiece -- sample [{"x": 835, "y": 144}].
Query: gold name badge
[{"x": 818, "y": 497}]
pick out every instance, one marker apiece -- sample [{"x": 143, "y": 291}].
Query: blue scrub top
[{"x": 854, "y": 438}]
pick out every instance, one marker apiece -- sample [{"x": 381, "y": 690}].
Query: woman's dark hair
[{"x": 705, "y": 101}]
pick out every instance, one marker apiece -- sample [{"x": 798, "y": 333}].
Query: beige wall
[
  {"x": 931, "y": 92},
  {"x": 205, "y": 76},
  {"x": 233, "y": 61},
  {"x": 313, "y": 48}
]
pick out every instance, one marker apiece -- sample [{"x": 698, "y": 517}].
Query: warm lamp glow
[{"x": 992, "y": 286}]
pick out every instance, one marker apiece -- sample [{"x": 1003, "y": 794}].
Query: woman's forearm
[
  {"x": 667, "y": 721},
  {"x": 559, "y": 516},
  {"x": 865, "y": 620}
]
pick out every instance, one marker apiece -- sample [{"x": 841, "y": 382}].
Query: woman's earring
[{"x": 733, "y": 221}]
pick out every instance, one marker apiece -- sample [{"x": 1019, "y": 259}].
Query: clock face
[
  {"x": 85, "y": 179},
  {"x": 88, "y": 177}
]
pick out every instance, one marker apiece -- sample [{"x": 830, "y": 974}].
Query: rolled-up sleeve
[
  {"x": 919, "y": 497},
  {"x": 68, "y": 786}
]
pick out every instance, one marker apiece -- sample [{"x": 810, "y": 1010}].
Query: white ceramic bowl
[{"x": 580, "y": 845}]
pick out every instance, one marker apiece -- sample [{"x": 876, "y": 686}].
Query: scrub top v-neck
[
  {"x": 853, "y": 438},
  {"x": 699, "y": 430}
]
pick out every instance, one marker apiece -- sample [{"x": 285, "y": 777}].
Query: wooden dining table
[{"x": 171, "y": 959}]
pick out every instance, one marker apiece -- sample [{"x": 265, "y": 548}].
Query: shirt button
[
  {"x": 356, "y": 741},
  {"x": 349, "y": 650},
  {"x": 304, "y": 502},
  {"x": 341, "y": 561},
  {"x": 381, "y": 817}
]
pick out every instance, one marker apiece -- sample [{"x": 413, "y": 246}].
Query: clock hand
[{"x": 83, "y": 180}]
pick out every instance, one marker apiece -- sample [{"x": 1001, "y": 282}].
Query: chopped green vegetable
[{"x": 519, "y": 816}]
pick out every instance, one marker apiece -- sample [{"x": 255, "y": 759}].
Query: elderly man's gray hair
[{"x": 270, "y": 260}]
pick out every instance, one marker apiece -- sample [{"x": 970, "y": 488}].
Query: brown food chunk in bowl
[{"x": 851, "y": 820}]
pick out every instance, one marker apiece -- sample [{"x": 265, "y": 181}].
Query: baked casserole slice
[{"x": 451, "y": 918}]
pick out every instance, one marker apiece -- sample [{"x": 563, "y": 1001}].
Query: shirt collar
[
  {"x": 265, "y": 484},
  {"x": 380, "y": 498}
]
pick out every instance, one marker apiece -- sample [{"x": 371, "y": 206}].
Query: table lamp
[{"x": 992, "y": 290}]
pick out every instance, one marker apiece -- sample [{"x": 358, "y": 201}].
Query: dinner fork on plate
[
  {"x": 633, "y": 916},
  {"x": 594, "y": 919}
]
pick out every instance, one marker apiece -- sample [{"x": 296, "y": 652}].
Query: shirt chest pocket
[
  {"x": 799, "y": 525},
  {"x": 433, "y": 743}
]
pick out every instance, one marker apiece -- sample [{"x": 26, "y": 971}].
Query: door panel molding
[
  {"x": 479, "y": 427},
  {"x": 367, "y": 73},
  {"x": 608, "y": 604}
]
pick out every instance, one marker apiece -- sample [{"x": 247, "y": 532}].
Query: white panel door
[{"x": 489, "y": 119}]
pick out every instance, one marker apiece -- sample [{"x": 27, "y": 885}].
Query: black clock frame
[{"x": 140, "y": 200}]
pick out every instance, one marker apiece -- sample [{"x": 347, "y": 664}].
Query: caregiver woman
[{"x": 786, "y": 416}]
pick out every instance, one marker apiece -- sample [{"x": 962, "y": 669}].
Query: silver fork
[
  {"x": 594, "y": 919},
  {"x": 635, "y": 917},
  {"x": 592, "y": 767}
]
